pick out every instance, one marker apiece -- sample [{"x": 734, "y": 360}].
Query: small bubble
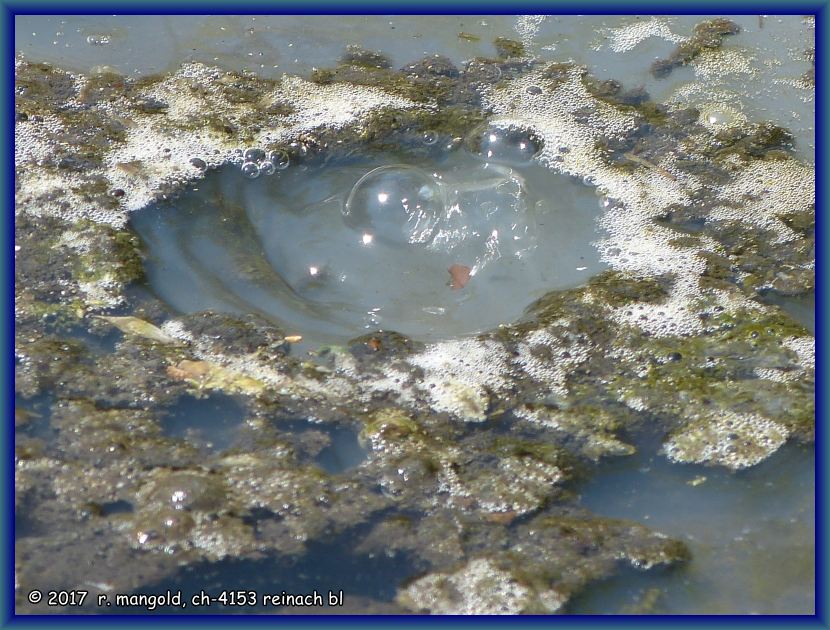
[
  {"x": 534, "y": 89},
  {"x": 454, "y": 143},
  {"x": 250, "y": 169},
  {"x": 254, "y": 155},
  {"x": 279, "y": 159},
  {"x": 99, "y": 39},
  {"x": 430, "y": 138},
  {"x": 589, "y": 180},
  {"x": 267, "y": 168},
  {"x": 198, "y": 163}
]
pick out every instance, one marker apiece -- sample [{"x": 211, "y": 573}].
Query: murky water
[
  {"x": 314, "y": 254},
  {"x": 210, "y": 423},
  {"x": 742, "y": 528}
]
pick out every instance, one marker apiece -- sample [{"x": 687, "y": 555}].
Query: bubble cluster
[
  {"x": 256, "y": 162},
  {"x": 458, "y": 374},
  {"x": 508, "y": 145},
  {"x": 527, "y": 26},
  {"x": 730, "y": 439},
  {"x": 137, "y": 163},
  {"x": 99, "y": 39},
  {"x": 625, "y": 38},
  {"x": 479, "y": 587}
]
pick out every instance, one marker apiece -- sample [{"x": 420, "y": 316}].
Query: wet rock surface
[{"x": 474, "y": 443}]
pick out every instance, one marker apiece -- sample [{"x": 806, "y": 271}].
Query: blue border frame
[
  {"x": 8, "y": 10},
  {"x": 424, "y": 7},
  {"x": 822, "y": 26}
]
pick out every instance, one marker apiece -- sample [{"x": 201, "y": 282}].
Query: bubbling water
[
  {"x": 429, "y": 248},
  {"x": 398, "y": 203},
  {"x": 511, "y": 145}
]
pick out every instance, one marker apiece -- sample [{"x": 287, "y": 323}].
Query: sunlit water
[
  {"x": 431, "y": 248},
  {"x": 751, "y": 533}
]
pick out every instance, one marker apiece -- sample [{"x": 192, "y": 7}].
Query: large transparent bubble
[{"x": 398, "y": 203}]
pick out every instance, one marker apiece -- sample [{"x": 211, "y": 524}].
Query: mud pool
[{"x": 471, "y": 315}]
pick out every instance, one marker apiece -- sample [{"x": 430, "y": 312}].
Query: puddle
[
  {"x": 210, "y": 424},
  {"x": 344, "y": 452},
  {"x": 429, "y": 248},
  {"x": 751, "y": 535},
  {"x": 330, "y": 566},
  {"x": 335, "y": 449},
  {"x": 115, "y": 507}
]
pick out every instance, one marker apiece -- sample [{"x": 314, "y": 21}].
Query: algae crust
[{"x": 473, "y": 443}]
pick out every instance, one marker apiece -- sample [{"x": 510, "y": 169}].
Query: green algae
[
  {"x": 114, "y": 255},
  {"x": 422, "y": 83},
  {"x": 635, "y": 100},
  {"x": 40, "y": 87},
  {"x": 391, "y": 425},
  {"x": 718, "y": 372},
  {"x": 765, "y": 141},
  {"x": 468, "y": 37},
  {"x": 102, "y": 87},
  {"x": 706, "y": 35},
  {"x": 507, "y": 48},
  {"x": 617, "y": 288}
]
